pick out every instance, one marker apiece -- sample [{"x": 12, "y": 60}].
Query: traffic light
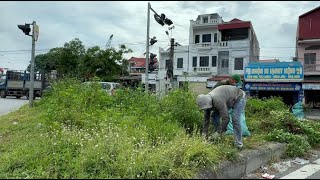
[
  {"x": 168, "y": 21},
  {"x": 152, "y": 62},
  {"x": 25, "y": 28},
  {"x": 162, "y": 19},
  {"x": 153, "y": 40},
  {"x": 158, "y": 19}
]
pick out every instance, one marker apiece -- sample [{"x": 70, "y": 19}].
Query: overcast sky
[{"x": 93, "y": 22}]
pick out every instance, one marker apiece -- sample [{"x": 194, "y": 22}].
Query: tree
[
  {"x": 105, "y": 64},
  {"x": 73, "y": 60},
  {"x": 69, "y": 58}
]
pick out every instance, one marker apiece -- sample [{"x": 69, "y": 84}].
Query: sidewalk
[
  {"x": 249, "y": 160},
  {"x": 313, "y": 114}
]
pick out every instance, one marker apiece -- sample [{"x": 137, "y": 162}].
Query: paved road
[
  {"x": 313, "y": 114},
  {"x": 295, "y": 168},
  {"x": 308, "y": 171},
  {"x": 10, "y": 104}
]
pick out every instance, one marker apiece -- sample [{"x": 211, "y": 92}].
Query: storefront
[
  {"x": 312, "y": 93},
  {"x": 283, "y": 79}
]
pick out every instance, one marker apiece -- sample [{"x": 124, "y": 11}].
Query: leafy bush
[
  {"x": 180, "y": 106},
  {"x": 272, "y": 118}
]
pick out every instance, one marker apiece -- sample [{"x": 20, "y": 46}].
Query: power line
[{"x": 28, "y": 50}]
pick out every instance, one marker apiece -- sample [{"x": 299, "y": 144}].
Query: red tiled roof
[
  {"x": 235, "y": 20},
  {"x": 139, "y": 62},
  {"x": 234, "y": 24}
]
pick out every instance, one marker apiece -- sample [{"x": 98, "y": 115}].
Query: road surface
[
  {"x": 294, "y": 168},
  {"x": 10, "y": 104}
]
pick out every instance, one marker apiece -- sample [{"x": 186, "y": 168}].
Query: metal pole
[
  {"x": 171, "y": 61},
  {"x": 32, "y": 67},
  {"x": 147, "y": 51}
]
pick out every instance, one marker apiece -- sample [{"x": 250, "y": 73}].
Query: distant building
[
  {"x": 216, "y": 49},
  {"x": 308, "y": 41},
  {"x": 136, "y": 71},
  {"x": 308, "y": 53},
  {"x": 137, "y": 66}
]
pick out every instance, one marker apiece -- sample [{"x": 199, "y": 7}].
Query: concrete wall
[{"x": 301, "y": 51}]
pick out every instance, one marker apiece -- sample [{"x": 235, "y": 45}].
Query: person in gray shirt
[
  {"x": 234, "y": 80},
  {"x": 221, "y": 99}
]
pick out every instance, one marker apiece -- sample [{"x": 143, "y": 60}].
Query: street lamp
[
  {"x": 35, "y": 33},
  {"x": 162, "y": 20}
]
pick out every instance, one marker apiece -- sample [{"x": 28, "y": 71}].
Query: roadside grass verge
[{"x": 78, "y": 131}]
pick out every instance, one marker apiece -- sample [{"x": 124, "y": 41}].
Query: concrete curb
[{"x": 248, "y": 161}]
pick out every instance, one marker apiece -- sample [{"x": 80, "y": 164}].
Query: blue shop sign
[
  {"x": 274, "y": 72},
  {"x": 252, "y": 86}
]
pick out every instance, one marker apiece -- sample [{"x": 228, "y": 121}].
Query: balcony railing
[
  {"x": 210, "y": 22},
  {"x": 202, "y": 69},
  {"x": 206, "y": 45},
  {"x": 311, "y": 69},
  {"x": 224, "y": 44}
]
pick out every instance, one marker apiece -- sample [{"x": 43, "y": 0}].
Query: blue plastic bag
[
  {"x": 245, "y": 130},
  {"x": 297, "y": 110}
]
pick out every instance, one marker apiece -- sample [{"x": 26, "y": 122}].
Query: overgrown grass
[
  {"x": 78, "y": 131},
  {"x": 272, "y": 120}
]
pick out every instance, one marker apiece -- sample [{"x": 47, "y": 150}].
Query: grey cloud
[{"x": 94, "y": 22}]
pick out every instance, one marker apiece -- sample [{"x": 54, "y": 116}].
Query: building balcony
[
  {"x": 311, "y": 69},
  {"x": 201, "y": 70},
  {"x": 201, "y": 24},
  {"x": 207, "y": 45},
  {"x": 224, "y": 44}
]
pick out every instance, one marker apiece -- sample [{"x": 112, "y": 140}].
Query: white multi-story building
[{"x": 216, "y": 49}]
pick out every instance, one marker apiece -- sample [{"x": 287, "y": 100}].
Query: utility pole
[
  {"x": 162, "y": 20},
  {"x": 147, "y": 51},
  {"x": 170, "y": 73},
  {"x": 31, "y": 90},
  {"x": 35, "y": 33}
]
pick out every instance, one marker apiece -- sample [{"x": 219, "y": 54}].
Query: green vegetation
[
  {"x": 78, "y": 131},
  {"x": 272, "y": 119},
  {"x": 74, "y": 60}
]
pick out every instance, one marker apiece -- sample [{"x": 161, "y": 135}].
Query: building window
[
  {"x": 194, "y": 61},
  {"x": 180, "y": 63},
  {"x": 205, "y": 19},
  {"x": 214, "y": 61},
  {"x": 238, "y": 64},
  {"x": 310, "y": 61},
  {"x": 197, "y": 39},
  {"x": 206, "y": 38},
  {"x": 204, "y": 61},
  {"x": 215, "y": 37}
]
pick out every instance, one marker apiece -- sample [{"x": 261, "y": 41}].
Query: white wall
[{"x": 236, "y": 48}]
